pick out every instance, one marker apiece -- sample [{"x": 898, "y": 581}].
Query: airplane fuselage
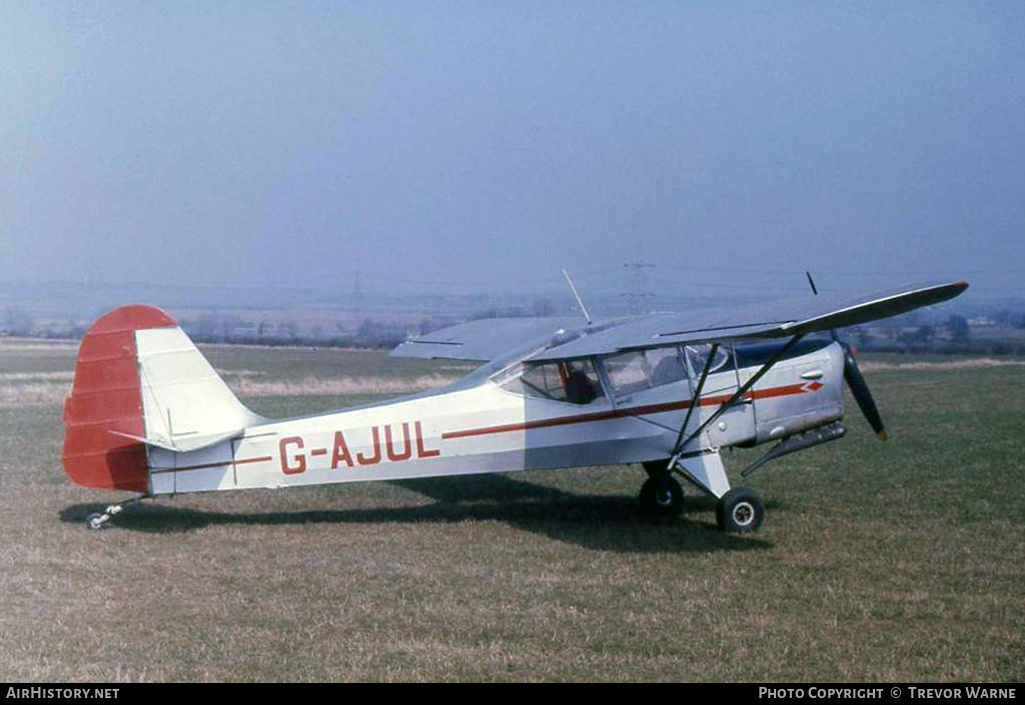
[{"x": 486, "y": 423}]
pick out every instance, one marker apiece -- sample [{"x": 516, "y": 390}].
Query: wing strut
[
  {"x": 694, "y": 400},
  {"x": 741, "y": 391}
]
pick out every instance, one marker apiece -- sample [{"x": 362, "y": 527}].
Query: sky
[{"x": 485, "y": 145}]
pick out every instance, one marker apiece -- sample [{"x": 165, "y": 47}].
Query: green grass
[{"x": 902, "y": 561}]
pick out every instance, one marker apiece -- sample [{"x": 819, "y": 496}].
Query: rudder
[
  {"x": 106, "y": 396},
  {"x": 139, "y": 380}
]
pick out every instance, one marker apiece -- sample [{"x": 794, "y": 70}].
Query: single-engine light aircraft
[{"x": 670, "y": 391}]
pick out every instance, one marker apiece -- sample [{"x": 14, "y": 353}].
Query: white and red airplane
[{"x": 148, "y": 413}]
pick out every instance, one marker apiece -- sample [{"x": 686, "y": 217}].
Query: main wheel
[
  {"x": 659, "y": 502},
  {"x": 740, "y": 510},
  {"x": 95, "y": 521}
]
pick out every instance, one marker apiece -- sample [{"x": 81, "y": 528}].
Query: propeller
[
  {"x": 859, "y": 388},
  {"x": 856, "y": 381}
]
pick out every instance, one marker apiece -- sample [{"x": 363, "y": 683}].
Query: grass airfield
[{"x": 902, "y": 561}]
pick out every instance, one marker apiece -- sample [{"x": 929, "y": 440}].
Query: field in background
[{"x": 901, "y": 561}]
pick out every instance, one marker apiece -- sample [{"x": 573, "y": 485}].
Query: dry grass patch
[{"x": 961, "y": 364}]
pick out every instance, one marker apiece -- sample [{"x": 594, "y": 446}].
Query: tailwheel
[
  {"x": 96, "y": 521},
  {"x": 661, "y": 497},
  {"x": 740, "y": 510}
]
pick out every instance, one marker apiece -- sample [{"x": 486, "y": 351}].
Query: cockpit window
[
  {"x": 627, "y": 372},
  {"x": 575, "y": 382},
  {"x": 666, "y": 366},
  {"x": 634, "y": 371},
  {"x": 697, "y": 355}
]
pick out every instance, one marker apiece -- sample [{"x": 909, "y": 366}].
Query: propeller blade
[
  {"x": 862, "y": 395},
  {"x": 855, "y": 380}
]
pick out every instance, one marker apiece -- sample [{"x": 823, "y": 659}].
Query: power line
[{"x": 638, "y": 295}]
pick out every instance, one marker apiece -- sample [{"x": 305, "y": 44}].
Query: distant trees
[
  {"x": 16, "y": 322},
  {"x": 433, "y": 323},
  {"x": 499, "y": 312},
  {"x": 540, "y": 308},
  {"x": 996, "y": 330},
  {"x": 925, "y": 334},
  {"x": 229, "y": 328},
  {"x": 959, "y": 329},
  {"x": 373, "y": 334}
]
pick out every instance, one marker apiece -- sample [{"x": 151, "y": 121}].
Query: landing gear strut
[
  {"x": 740, "y": 510},
  {"x": 97, "y": 520}
]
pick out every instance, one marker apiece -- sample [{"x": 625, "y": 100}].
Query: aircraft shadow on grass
[{"x": 608, "y": 523}]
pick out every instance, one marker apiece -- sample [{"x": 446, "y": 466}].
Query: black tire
[
  {"x": 661, "y": 503},
  {"x": 740, "y": 511}
]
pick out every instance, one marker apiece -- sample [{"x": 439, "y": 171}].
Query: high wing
[
  {"x": 485, "y": 339},
  {"x": 773, "y": 319},
  {"x": 488, "y": 339}
]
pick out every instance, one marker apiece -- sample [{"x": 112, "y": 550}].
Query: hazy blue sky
[{"x": 488, "y": 144}]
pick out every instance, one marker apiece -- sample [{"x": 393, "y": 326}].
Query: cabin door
[{"x": 736, "y": 425}]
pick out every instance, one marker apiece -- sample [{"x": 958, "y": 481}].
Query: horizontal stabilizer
[{"x": 183, "y": 445}]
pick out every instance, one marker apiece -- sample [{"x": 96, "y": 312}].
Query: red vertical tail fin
[{"x": 106, "y": 397}]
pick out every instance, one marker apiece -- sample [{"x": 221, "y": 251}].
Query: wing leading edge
[
  {"x": 774, "y": 319},
  {"x": 563, "y": 338}
]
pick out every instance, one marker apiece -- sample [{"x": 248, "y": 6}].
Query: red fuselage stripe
[
  {"x": 243, "y": 461},
  {"x": 632, "y": 411},
  {"x": 561, "y": 420}
]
